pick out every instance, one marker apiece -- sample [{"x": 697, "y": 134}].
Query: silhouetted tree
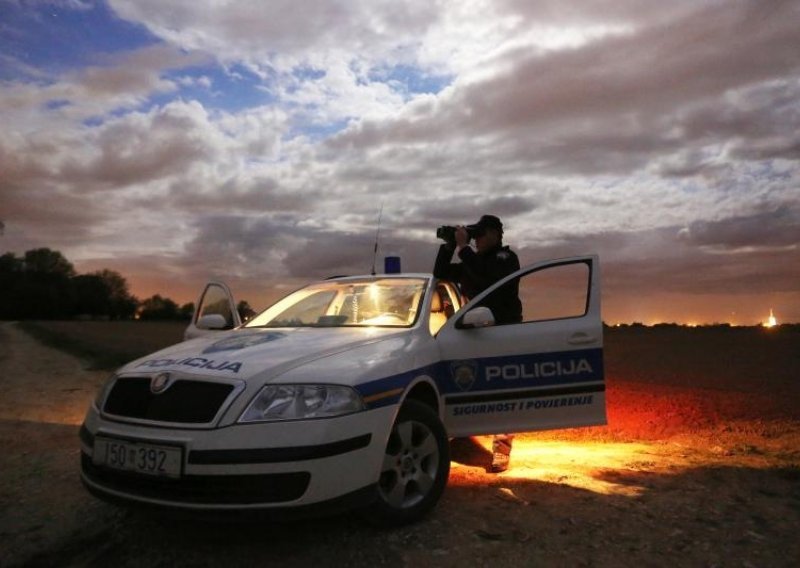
[
  {"x": 121, "y": 304},
  {"x": 245, "y": 311},
  {"x": 158, "y": 308},
  {"x": 45, "y": 285},
  {"x": 187, "y": 311},
  {"x": 47, "y": 261},
  {"x": 11, "y": 284},
  {"x": 90, "y": 295},
  {"x": 9, "y": 263}
]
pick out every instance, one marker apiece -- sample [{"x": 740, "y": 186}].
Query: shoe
[{"x": 499, "y": 462}]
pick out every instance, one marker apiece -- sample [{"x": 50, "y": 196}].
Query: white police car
[{"x": 344, "y": 394}]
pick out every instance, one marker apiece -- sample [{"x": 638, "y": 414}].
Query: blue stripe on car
[{"x": 480, "y": 375}]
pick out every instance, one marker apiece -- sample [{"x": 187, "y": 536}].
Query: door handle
[{"x": 581, "y": 338}]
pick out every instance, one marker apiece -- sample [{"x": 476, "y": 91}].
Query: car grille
[{"x": 185, "y": 401}]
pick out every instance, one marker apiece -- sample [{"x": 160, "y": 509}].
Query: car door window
[
  {"x": 438, "y": 311},
  {"x": 444, "y": 304},
  {"x": 556, "y": 292},
  {"x": 216, "y": 301},
  {"x": 450, "y": 302}
]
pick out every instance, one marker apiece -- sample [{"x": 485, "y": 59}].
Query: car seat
[{"x": 438, "y": 315}]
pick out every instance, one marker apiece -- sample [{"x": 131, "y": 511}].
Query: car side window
[
  {"x": 443, "y": 306},
  {"x": 215, "y": 301},
  {"x": 556, "y": 292},
  {"x": 449, "y": 305}
]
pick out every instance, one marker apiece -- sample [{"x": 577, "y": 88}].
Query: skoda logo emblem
[{"x": 159, "y": 383}]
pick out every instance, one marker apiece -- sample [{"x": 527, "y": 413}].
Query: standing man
[{"x": 488, "y": 263}]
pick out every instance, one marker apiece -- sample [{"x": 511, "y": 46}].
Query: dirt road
[{"x": 719, "y": 490}]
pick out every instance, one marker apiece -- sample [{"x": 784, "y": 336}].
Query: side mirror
[
  {"x": 212, "y": 321},
  {"x": 477, "y": 317}
]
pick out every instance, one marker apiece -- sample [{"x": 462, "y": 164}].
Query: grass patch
[
  {"x": 97, "y": 356},
  {"x": 105, "y": 345}
]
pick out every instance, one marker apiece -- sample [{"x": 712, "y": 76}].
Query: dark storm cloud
[
  {"x": 755, "y": 254},
  {"x": 237, "y": 236},
  {"x": 757, "y": 112},
  {"x": 637, "y": 267},
  {"x": 130, "y": 74},
  {"x": 49, "y": 185},
  {"x": 141, "y": 149},
  {"x": 689, "y": 164},
  {"x": 758, "y": 272},
  {"x": 431, "y": 213},
  {"x": 786, "y": 149},
  {"x": 21, "y": 166},
  {"x": 329, "y": 253},
  {"x": 702, "y": 54},
  {"x": 236, "y": 194},
  {"x": 49, "y": 161},
  {"x": 278, "y": 247},
  {"x": 619, "y": 102},
  {"x": 589, "y": 12},
  {"x": 275, "y": 247},
  {"x": 657, "y": 260},
  {"x": 332, "y": 252},
  {"x": 746, "y": 254},
  {"x": 49, "y": 215},
  {"x": 35, "y": 200},
  {"x": 769, "y": 229}
]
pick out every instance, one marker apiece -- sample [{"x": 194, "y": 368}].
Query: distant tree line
[{"x": 43, "y": 284}]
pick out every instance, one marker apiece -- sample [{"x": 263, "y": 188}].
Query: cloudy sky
[{"x": 258, "y": 142}]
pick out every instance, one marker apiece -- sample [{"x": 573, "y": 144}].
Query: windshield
[{"x": 390, "y": 302}]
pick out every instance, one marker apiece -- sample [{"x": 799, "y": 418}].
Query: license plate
[{"x": 149, "y": 459}]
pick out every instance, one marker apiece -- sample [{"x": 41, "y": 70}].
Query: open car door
[
  {"x": 215, "y": 311},
  {"x": 545, "y": 372}
]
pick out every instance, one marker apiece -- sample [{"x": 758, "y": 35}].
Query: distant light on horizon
[{"x": 771, "y": 321}]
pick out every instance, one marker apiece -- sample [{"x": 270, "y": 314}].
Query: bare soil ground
[{"x": 699, "y": 466}]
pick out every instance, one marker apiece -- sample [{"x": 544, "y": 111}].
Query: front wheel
[{"x": 415, "y": 468}]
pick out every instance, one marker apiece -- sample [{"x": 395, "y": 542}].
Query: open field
[
  {"x": 699, "y": 466},
  {"x": 107, "y": 344}
]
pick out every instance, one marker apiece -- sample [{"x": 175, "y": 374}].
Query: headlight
[
  {"x": 103, "y": 392},
  {"x": 295, "y": 402}
]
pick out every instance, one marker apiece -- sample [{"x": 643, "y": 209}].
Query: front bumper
[{"x": 280, "y": 465}]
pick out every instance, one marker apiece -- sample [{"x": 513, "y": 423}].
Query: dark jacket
[{"x": 477, "y": 272}]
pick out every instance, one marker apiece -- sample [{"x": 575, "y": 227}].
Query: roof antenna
[{"x": 377, "y": 238}]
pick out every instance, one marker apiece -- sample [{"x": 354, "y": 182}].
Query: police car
[{"x": 344, "y": 394}]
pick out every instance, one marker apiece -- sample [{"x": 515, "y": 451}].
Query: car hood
[{"x": 246, "y": 352}]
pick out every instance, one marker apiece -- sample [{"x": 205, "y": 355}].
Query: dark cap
[{"x": 487, "y": 222}]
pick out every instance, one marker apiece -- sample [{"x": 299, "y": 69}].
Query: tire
[{"x": 415, "y": 469}]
